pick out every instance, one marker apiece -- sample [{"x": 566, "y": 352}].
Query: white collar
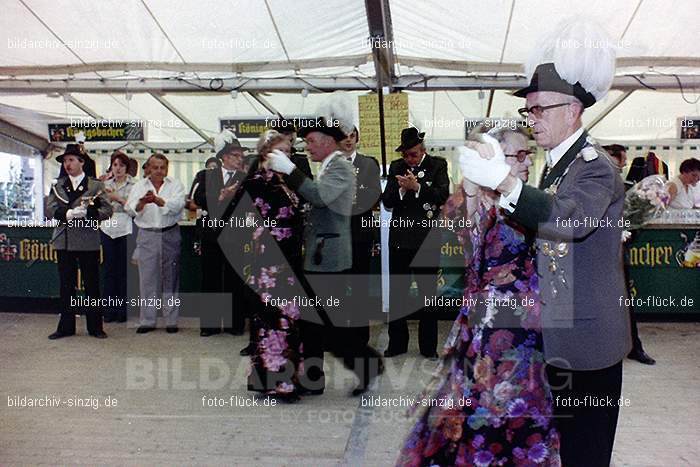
[
  {"x": 328, "y": 160},
  {"x": 77, "y": 180},
  {"x": 421, "y": 161},
  {"x": 558, "y": 152},
  {"x": 352, "y": 156}
]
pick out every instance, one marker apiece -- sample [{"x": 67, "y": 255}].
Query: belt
[{"x": 165, "y": 229}]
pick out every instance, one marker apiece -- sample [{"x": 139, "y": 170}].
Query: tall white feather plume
[
  {"x": 581, "y": 51},
  {"x": 222, "y": 139},
  {"x": 338, "y": 110}
]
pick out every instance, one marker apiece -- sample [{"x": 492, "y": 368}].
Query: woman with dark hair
[
  {"x": 275, "y": 342},
  {"x": 681, "y": 186},
  {"x": 114, "y": 233}
]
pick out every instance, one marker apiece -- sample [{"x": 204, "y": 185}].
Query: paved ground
[{"x": 159, "y": 381}]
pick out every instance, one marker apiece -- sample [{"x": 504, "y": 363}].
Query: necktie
[{"x": 228, "y": 177}]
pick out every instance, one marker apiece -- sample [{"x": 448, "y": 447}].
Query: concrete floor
[{"x": 159, "y": 380}]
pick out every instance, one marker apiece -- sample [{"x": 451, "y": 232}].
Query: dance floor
[{"x": 180, "y": 399}]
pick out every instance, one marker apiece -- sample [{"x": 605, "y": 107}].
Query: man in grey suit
[
  {"x": 79, "y": 203},
  {"x": 328, "y": 257},
  {"x": 575, "y": 214}
]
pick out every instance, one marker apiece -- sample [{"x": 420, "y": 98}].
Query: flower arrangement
[{"x": 645, "y": 200}]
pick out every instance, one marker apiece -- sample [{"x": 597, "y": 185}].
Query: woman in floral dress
[
  {"x": 489, "y": 403},
  {"x": 276, "y": 358}
]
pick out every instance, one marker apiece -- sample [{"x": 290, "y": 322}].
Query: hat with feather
[
  {"x": 336, "y": 119},
  {"x": 577, "y": 58},
  {"x": 226, "y": 142}
]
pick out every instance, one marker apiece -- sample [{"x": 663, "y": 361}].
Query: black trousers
[
  {"x": 89, "y": 264},
  {"x": 360, "y": 303},
  {"x": 400, "y": 271},
  {"x": 115, "y": 266},
  {"x": 636, "y": 341},
  {"x": 586, "y": 410},
  {"x": 219, "y": 277},
  {"x": 320, "y": 325}
]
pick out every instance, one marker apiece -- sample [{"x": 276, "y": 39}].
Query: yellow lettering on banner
[{"x": 648, "y": 255}]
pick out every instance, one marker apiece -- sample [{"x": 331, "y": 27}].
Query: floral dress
[
  {"x": 488, "y": 403},
  {"x": 276, "y": 361}
]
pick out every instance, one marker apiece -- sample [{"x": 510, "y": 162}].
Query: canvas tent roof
[{"x": 173, "y": 63}]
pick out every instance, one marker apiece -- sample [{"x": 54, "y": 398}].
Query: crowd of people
[{"x": 306, "y": 289}]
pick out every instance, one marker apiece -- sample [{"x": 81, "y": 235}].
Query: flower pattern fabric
[
  {"x": 494, "y": 374},
  {"x": 276, "y": 360}
]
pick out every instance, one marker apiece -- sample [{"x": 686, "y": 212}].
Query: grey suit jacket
[
  {"x": 327, "y": 237},
  {"x": 77, "y": 234},
  {"x": 585, "y": 325}
]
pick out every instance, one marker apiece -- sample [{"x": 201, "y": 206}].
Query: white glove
[
  {"x": 484, "y": 172},
  {"x": 279, "y": 162},
  {"x": 76, "y": 213}
]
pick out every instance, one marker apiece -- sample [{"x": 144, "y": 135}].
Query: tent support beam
[
  {"x": 609, "y": 109},
  {"x": 405, "y": 82},
  {"x": 265, "y": 103},
  {"x": 164, "y": 102},
  {"x": 23, "y": 136},
  {"x": 76, "y": 102}
]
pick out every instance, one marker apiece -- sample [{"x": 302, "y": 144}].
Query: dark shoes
[
  {"x": 234, "y": 332},
  {"x": 393, "y": 353},
  {"x": 145, "y": 329},
  {"x": 208, "y": 332},
  {"x": 99, "y": 335},
  {"x": 639, "y": 355},
  {"x": 247, "y": 351},
  {"x": 432, "y": 356},
  {"x": 171, "y": 329},
  {"x": 108, "y": 319},
  {"x": 364, "y": 386},
  {"x": 58, "y": 335}
]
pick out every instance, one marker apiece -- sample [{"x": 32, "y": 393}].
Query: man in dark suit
[
  {"x": 79, "y": 203},
  {"x": 215, "y": 193},
  {"x": 417, "y": 187},
  {"x": 364, "y": 233}
]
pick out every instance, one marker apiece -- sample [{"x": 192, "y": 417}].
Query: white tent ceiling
[{"x": 77, "y": 47}]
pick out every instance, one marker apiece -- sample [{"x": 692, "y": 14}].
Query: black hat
[
  {"x": 322, "y": 126},
  {"x": 71, "y": 150},
  {"x": 546, "y": 78},
  {"x": 409, "y": 138},
  {"x": 231, "y": 146}
]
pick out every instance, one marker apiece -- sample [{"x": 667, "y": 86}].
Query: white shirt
[
  {"x": 553, "y": 156},
  {"x": 153, "y": 216},
  {"x": 76, "y": 181},
  {"x": 684, "y": 199},
  {"x": 225, "y": 172},
  {"x": 120, "y": 223},
  {"x": 351, "y": 157}
]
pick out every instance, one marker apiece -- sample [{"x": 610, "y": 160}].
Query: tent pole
[{"x": 382, "y": 131}]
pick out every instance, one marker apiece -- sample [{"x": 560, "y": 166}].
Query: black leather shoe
[
  {"x": 108, "y": 319},
  {"x": 432, "y": 356},
  {"x": 311, "y": 392},
  {"x": 171, "y": 329},
  {"x": 234, "y": 332},
  {"x": 394, "y": 353},
  {"x": 58, "y": 335},
  {"x": 642, "y": 357},
  {"x": 145, "y": 329},
  {"x": 99, "y": 335},
  {"x": 207, "y": 332},
  {"x": 247, "y": 351}
]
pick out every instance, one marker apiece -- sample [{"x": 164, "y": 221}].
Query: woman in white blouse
[
  {"x": 681, "y": 187},
  {"x": 115, "y": 232}
]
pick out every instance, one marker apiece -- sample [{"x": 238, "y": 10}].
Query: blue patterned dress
[{"x": 489, "y": 403}]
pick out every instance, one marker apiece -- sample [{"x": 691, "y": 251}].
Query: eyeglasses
[
  {"x": 521, "y": 155},
  {"x": 537, "y": 110}
]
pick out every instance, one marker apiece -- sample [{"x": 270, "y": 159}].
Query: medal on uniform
[{"x": 557, "y": 273}]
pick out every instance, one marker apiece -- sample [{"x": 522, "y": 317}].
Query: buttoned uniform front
[
  {"x": 412, "y": 251},
  {"x": 77, "y": 241}
]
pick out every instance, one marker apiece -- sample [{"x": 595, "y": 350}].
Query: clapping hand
[
  {"x": 227, "y": 192},
  {"x": 408, "y": 182}
]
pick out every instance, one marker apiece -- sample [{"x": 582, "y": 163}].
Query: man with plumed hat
[
  {"x": 416, "y": 189},
  {"x": 328, "y": 252},
  {"x": 214, "y": 191},
  {"x": 79, "y": 203},
  {"x": 575, "y": 213}
]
